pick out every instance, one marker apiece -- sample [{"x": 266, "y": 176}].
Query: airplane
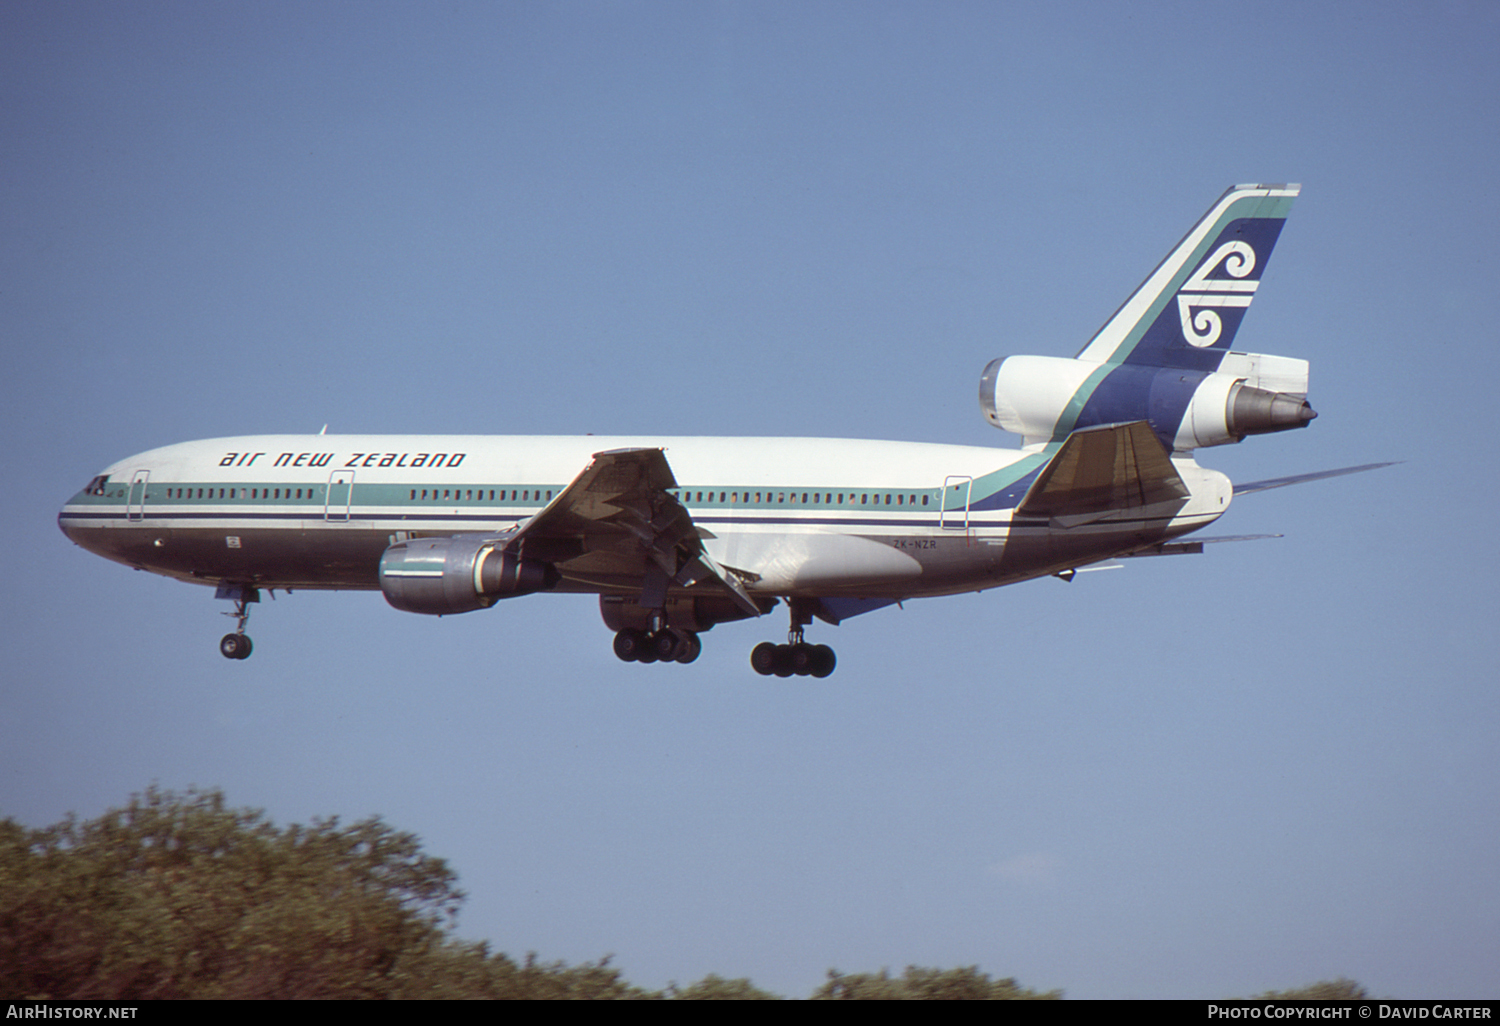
[{"x": 677, "y": 535}]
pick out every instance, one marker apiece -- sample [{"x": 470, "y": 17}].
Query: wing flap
[{"x": 621, "y": 504}]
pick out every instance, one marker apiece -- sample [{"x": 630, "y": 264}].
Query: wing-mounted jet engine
[{"x": 458, "y": 574}]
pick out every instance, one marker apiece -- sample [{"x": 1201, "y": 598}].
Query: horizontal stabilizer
[
  {"x": 1215, "y": 539},
  {"x": 1102, "y": 469},
  {"x": 1282, "y": 482}
]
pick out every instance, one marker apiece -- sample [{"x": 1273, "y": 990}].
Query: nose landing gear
[{"x": 237, "y": 645}]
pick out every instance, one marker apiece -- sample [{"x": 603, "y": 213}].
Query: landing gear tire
[
  {"x": 802, "y": 659},
  {"x": 690, "y": 649},
  {"x": 666, "y": 646},
  {"x": 235, "y": 646},
  {"x": 631, "y": 645},
  {"x": 782, "y": 667},
  {"x": 823, "y": 661},
  {"x": 799, "y": 659},
  {"x": 763, "y": 658}
]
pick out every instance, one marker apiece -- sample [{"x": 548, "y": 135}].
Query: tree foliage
[
  {"x": 180, "y": 896},
  {"x": 1324, "y": 990},
  {"x": 919, "y": 984},
  {"x": 715, "y": 988}
]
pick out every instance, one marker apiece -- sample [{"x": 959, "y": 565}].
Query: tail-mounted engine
[
  {"x": 1043, "y": 398},
  {"x": 457, "y": 574}
]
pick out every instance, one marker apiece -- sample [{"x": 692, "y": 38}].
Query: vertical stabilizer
[
  {"x": 1186, "y": 313},
  {"x": 1164, "y": 358}
]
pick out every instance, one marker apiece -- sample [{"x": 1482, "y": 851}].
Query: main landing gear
[
  {"x": 796, "y": 657},
  {"x": 643, "y": 636},
  {"x": 664, "y": 646},
  {"x": 237, "y": 645}
]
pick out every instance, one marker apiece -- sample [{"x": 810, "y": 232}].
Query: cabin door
[
  {"x": 340, "y": 494},
  {"x": 135, "y": 504},
  {"x": 955, "y": 511}
]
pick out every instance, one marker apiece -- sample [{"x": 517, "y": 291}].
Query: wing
[{"x": 618, "y": 526}]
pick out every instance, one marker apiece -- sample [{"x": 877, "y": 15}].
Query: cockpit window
[{"x": 96, "y": 486}]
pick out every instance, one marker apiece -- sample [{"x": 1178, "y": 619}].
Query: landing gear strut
[
  {"x": 796, "y": 657},
  {"x": 237, "y": 645}
]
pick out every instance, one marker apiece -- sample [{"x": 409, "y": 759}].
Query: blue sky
[{"x": 1192, "y": 777}]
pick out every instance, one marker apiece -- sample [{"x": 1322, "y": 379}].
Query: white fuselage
[{"x": 796, "y": 516}]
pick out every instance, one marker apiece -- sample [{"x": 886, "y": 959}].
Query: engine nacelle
[
  {"x": 457, "y": 574},
  {"x": 1250, "y": 394}
]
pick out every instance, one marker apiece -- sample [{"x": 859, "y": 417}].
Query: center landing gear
[
  {"x": 237, "y": 645},
  {"x": 796, "y": 657}
]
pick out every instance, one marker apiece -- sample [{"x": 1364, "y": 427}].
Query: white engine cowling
[
  {"x": 1250, "y": 394},
  {"x": 457, "y": 574}
]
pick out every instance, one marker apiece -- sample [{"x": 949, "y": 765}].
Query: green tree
[
  {"x": 1324, "y": 990},
  {"x": 461, "y": 970},
  {"x": 919, "y": 984},
  {"x": 180, "y": 896},
  {"x": 715, "y": 988}
]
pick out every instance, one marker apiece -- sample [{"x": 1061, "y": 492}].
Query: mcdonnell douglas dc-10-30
[{"x": 676, "y": 535}]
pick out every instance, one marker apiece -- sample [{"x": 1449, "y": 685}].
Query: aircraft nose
[
  {"x": 68, "y": 518},
  {"x": 65, "y": 524}
]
